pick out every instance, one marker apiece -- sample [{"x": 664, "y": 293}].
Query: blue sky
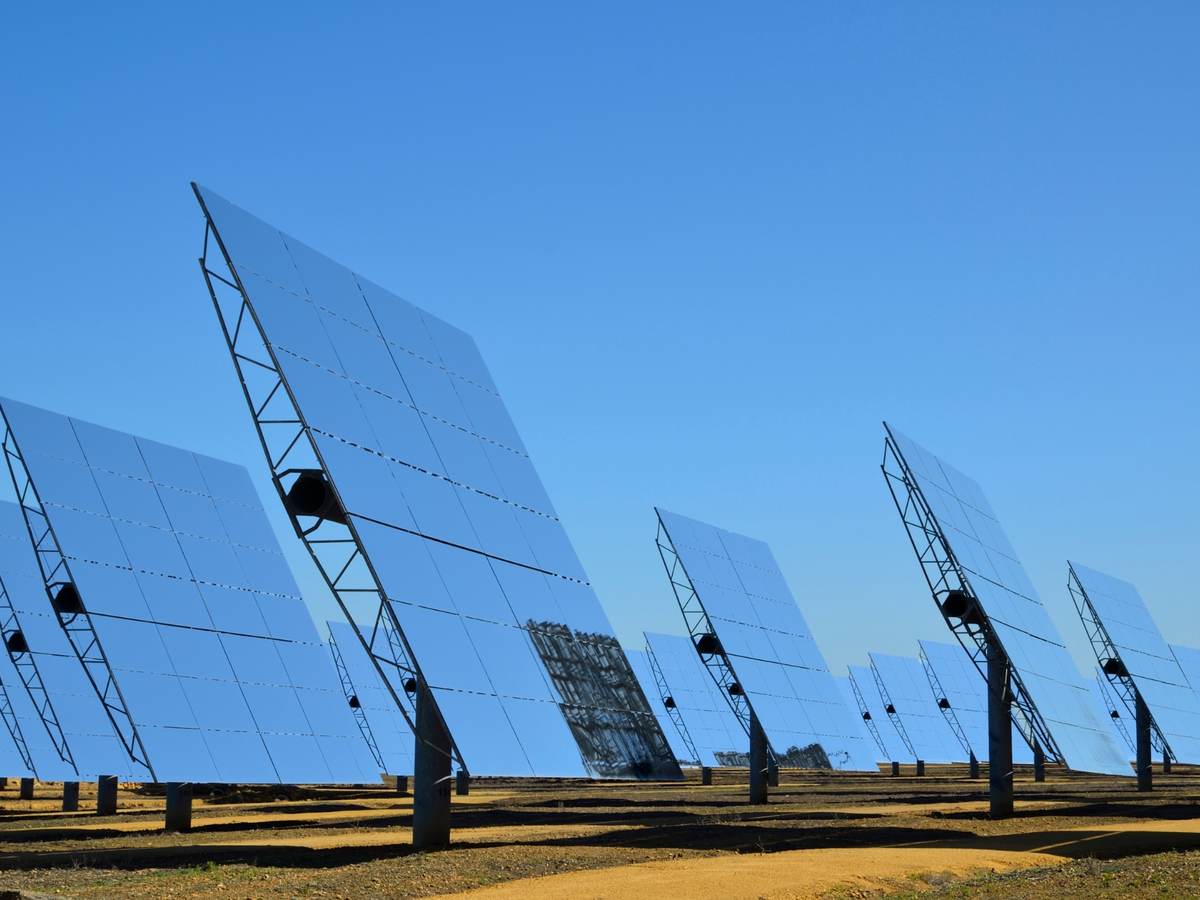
[{"x": 705, "y": 251}]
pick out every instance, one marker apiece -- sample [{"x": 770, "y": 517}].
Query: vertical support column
[
  {"x": 758, "y": 761},
  {"x": 26, "y": 788},
  {"x": 705, "y": 775},
  {"x": 1000, "y": 774},
  {"x": 895, "y": 769},
  {"x": 3, "y": 784},
  {"x": 974, "y": 764},
  {"x": 462, "y": 783},
  {"x": 921, "y": 767},
  {"x": 1166, "y": 764},
  {"x": 1145, "y": 778},
  {"x": 772, "y": 772},
  {"x": 106, "y": 795},
  {"x": 70, "y": 796},
  {"x": 431, "y": 777},
  {"x": 402, "y": 785},
  {"x": 1039, "y": 763},
  {"x": 179, "y": 806}
]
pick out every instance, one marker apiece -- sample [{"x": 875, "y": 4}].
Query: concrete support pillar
[
  {"x": 974, "y": 763},
  {"x": 1000, "y": 771},
  {"x": 705, "y": 775},
  {"x": 758, "y": 761},
  {"x": 70, "y": 796},
  {"x": 921, "y": 767},
  {"x": 895, "y": 769},
  {"x": 462, "y": 783},
  {"x": 179, "y": 806},
  {"x": 26, "y": 788},
  {"x": 402, "y": 785},
  {"x": 1145, "y": 777},
  {"x": 106, "y": 795},
  {"x": 1039, "y": 763},
  {"x": 431, "y": 777}
]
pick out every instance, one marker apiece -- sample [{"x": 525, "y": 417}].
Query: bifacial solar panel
[
  {"x": 710, "y": 723},
  {"x": 90, "y": 745},
  {"x": 639, "y": 660},
  {"x": 1115, "y": 710},
  {"x": 219, "y": 673},
  {"x": 964, "y": 691},
  {"x": 866, "y": 695},
  {"x": 769, "y": 646},
  {"x": 995, "y": 576},
  {"x": 904, "y": 691},
  {"x": 389, "y": 728},
  {"x": 1144, "y": 655},
  {"x": 437, "y": 490}
]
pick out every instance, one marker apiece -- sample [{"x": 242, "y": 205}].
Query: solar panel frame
[
  {"x": 1124, "y": 637},
  {"x": 713, "y": 729},
  {"x": 866, "y": 695},
  {"x": 668, "y": 719},
  {"x": 968, "y": 562},
  {"x": 730, "y": 590},
  {"x": 904, "y": 690},
  {"x": 393, "y": 414},
  {"x": 1113, "y": 708},
  {"x": 138, "y": 546}
]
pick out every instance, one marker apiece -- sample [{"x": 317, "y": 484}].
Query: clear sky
[{"x": 705, "y": 249}]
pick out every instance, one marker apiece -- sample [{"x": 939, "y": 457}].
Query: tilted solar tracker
[
  {"x": 73, "y": 736},
  {"x": 755, "y": 643},
  {"x": 383, "y": 726},
  {"x": 961, "y": 694},
  {"x": 704, "y": 716},
  {"x": 394, "y": 455},
  {"x": 1136, "y": 658},
  {"x": 879, "y": 723},
  {"x": 669, "y": 719},
  {"x": 1113, "y": 708},
  {"x": 992, "y": 607},
  {"x": 904, "y": 691},
  {"x": 16, "y": 758},
  {"x": 170, "y": 587},
  {"x": 1189, "y": 661}
]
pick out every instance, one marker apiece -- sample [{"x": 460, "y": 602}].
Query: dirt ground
[{"x": 822, "y": 834}]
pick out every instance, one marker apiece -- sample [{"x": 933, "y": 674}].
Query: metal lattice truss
[
  {"x": 944, "y": 575},
  {"x": 1104, "y": 648},
  {"x": 75, "y": 620},
  {"x": 292, "y": 452},
  {"x": 664, "y": 693},
  {"x": 360, "y": 716},
  {"x": 890, "y": 708},
  {"x": 865, "y": 711},
  {"x": 700, "y": 627},
  {"x": 14, "y": 729},
  {"x": 943, "y": 703}
]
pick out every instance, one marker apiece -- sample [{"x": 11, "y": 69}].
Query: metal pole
[
  {"x": 921, "y": 767},
  {"x": 179, "y": 806},
  {"x": 1000, "y": 774},
  {"x": 106, "y": 795},
  {"x": 402, "y": 784},
  {"x": 70, "y": 796},
  {"x": 895, "y": 769},
  {"x": 772, "y": 772},
  {"x": 974, "y": 766},
  {"x": 758, "y": 761},
  {"x": 705, "y": 775},
  {"x": 26, "y": 788},
  {"x": 1166, "y": 765},
  {"x": 431, "y": 777},
  {"x": 1039, "y": 763},
  {"x": 1145, "y": 777},
  {"x": 462, "y": 783}
]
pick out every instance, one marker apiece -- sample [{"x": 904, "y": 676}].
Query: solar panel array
[
  {"x": 92, "y": 746},
  {"x": 1147, "y": 658},
  {"x": 866, "y": 695},
  {"x": 214, "y": 652},
  {"x": 1010, "y": 601},
  {"x": 389, "y": 729},
  {"x": 904, "y": 685},
  {"x": 965, "y": 690},
  {"x": 714, "y": 729},
  {"x": 769, "y": 646},
  {"x": 444, "y": 500},
  {"x": 639, "y": 660}
]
